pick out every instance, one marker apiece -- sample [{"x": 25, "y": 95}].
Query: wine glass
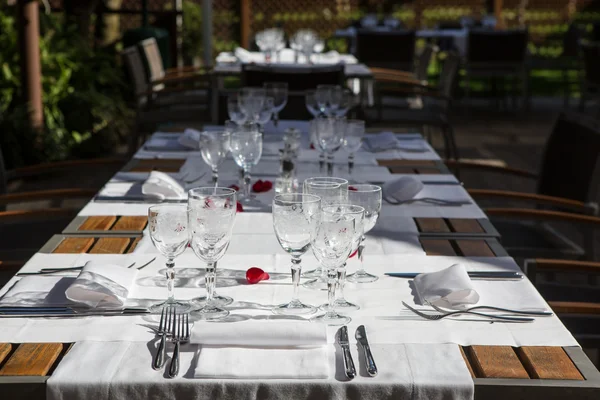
[
  {"x": 246, "y": 149},
  {"x": 251, "y": 101},
  {"x": 322, "y": 97},
  {"x": 331, "y": 243},
  {"x": 167, "y": 225},
  {"x": 329, "y": 98},
  {"x": 369, "y": 197},
  {"x": 347, "y": 102},
  {"x": 312, "y": 130},
  {"x": 214, "y": 146},
  {"x": 294, "y": 218},
  {"x": 355, "y": 132},
  {"x": 279, "y": 92},
  {"x": 234, "y": 109},
  {"x": 312, "y": 105},
  {"x": 330, "y": 137},
  {"x": 211, "y": 214},
  {"x": 358, "y": 213},
  {"x": 266, "y": 112}
]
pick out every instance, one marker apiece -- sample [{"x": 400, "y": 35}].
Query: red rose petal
[
  {"x": 353, "y": 254},
  {"x": 312, "y": 146},
  {"x": 255, "y": 275},
  {"x": 239, "y": 207},
  {"x": 267, "y": 185},
  {"x": 235, "y": 187},
  {"x": 257, "y": 187},
  {"x": 352, "y": 188}
]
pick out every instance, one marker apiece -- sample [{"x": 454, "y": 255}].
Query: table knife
[
  {"x": 455, "y": 183},
  {"x": 342, "y": 338},
  {"x": 361, "y": 337},
  {"x": 136, "y": 199},
  {"x": 45, "y": 312},
  {"x": 500, "y": 275}
]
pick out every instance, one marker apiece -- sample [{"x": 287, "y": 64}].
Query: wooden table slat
[
  {"x": 134, "y": 245},
  {"x": 432, "y": 225},
  {"x": 32, "y": 359},
  {"x": 496, "y": 362},
  {"x": 437, "y": 247},
  {"x": 98, "y": 223},
  {"x": 474, "y": 248},
  {"x": 130, "y": 223},
  {"x": 428, "y": 171},
  {"x": 109, "y": 245},
  {"x": 467, "y": 362},
  {"x": 5, "y": 349},
  {"x": 402, "y": 170},
  {"x": 464, "y": 225},
  {"x": 545, "y": 362},
  {"x": 404, "y": 163},
  {"x": 73, "y": 245}
]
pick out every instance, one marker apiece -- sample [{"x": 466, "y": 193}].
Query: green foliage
[
  {"x": 83, "y": 95},
  {"x": 191, "y": 45}
]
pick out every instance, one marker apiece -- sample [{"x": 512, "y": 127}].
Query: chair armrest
[
  {"x": 41, "y": 214},
  {"x": 545, "y": 215},
  {"x": 10, "y": 265},
  {"x": 537, "y": 198},
  {"x": 389, "y": 71},
  {"x": 25, "y": 197},
  {"x": 573, "y": 307},
  {"x": 44, "y": 168},
  {"x": 187, "y": 69},
  {"x": 488, "y": 167},
  {"x": 187, "y": 78},
  {"x": 555, "y": 265}
]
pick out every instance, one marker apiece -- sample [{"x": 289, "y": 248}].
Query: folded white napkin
[
  {"x": 102, "y": 285},
  {"x": 163, "y": 186},
  {"x": 450, "y": 287},
  {"x": 381, "y": 142},
  {"x": 246, "y": 56},
  {"x": 261, "y": 350},
  {"x": 402, "y": 189},
  {"x": 226, "y": 58},
  {"x": 190, "y": 138},
  {"x": 39, "y": 291}
]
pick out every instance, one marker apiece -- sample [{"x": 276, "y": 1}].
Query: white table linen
[{"x": 450, "y": 287}]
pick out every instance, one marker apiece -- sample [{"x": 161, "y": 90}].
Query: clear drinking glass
[
  {"x": 167, "y": 224},
  {"x": 353, "y": 138},
  {"x": 368, "y": 197},
  {"x": 214, "y": 146},
  {"x": 295, "y": 216},
  {"x": 211, "y": 214},
  {"x": 330, "y": 133},
  {"x": 266, "y": 112},
  {"x": 331, "y": 243},
  {"x": 329, "y": 98},
  {"x": 246, "y": 149},
  {"x": 312, "y": 105},
  {"x": 251, "y": 101},
  {"x": 279, "y": 92},
  {"x": 348, "y": 101},
  {"x": 312, "y": 130},
  {"x": 234, "y": 109}
]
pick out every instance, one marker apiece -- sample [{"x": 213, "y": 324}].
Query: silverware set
[
  {"x": 361, "y": 338},
  {"x": 177, "y": 328},
  {"x": 45, "y": 271}
]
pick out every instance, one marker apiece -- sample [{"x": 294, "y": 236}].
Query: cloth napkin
[
  {"x": 381, "y": 142},
  {"x": 261, "y": 350},
  {"x": 163, "y": 186},
  {"x": 190, "y": 138},
  {"x": 450, "y": 287},
  {"x": 102, "y": 285},
  {"x": 39, "y": 291},
  {"x": 402, "y": 189}
]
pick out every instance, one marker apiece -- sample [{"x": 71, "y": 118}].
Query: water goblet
[
  {"x": 312, "y": 105},
  {"x": 368, "y": 197},
  {"x": 168, "y": 229},
  {"x": 251, "y": 101},
  {"x": 330, "y": 133},
  {"x": 214, "y": 146},
  {"x": 294, "y": 218},
  {"x": 312, "y": 129},
  {"x": 211, "y": 214},
  {"x": 355, "y": 132},
  {"x": 266, "y": 112},
  {"x": 235, "y": 111},
  {"x": 347, "y": 102},
  {"x": 279, "y": 92},
  {"x": 246, "y": 149}
]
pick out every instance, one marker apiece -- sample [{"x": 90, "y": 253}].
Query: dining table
[{"x": 110, "y": 357}]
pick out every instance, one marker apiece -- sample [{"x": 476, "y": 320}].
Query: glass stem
[
  {"x": 321, "y": 162},
  {"x": 241, "y": 177},
  {"x": 330, "y": 165},
  {"x": 247, "y": 180},
  {"x": 331, "y": 284},
  {"x": 215, "y": 176},
  {"x": 296, "y": 271},
  {"x": 350, "y": 163},
  {"x": 209, "y": 281},
  {"x": 361, "y": 248},
  {"x": 276, "y": 120},
  {"x": 341, "y": 277},
  {"x": 170, "y": 274}
]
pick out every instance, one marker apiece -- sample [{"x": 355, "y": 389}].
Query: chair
[
  {"x": 419, "y": 70},
  {"x": 299, "y": 80},
  {"x": 394, "y": 49},
  {"x": 590, "y": 84},
  {"x": 437, "y": 102},
  {"x": 568, "y": 180},
  {"x": 497, "y": 54}
]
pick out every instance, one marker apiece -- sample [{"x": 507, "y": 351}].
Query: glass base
[
  {"x": 294, "y": 307},
  {"x": 316, "y": 284},
  {"x": 209, "y": 313},
  {"x": 219, "y": 301},
  {"x": 331, "y": 318},
  {"x": 343, "y": 304},
  {"x": 361, "y": 277},
  {"x": 180, "y": 306},
  {"x": 315, "y": 273}
]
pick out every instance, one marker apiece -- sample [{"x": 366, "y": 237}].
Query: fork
[
  {"x": 436, "y": 317},
  {"x": 431, "y": 200},
  {"x": 506, "y": 310},
  {"x": 181, "y": 334},
  {"x": 163, "y": 331}
]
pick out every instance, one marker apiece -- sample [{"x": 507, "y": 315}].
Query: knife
[
  {"x": 361, "y": 337},
  {"x": 441, "y": 183},
  {"x": 136, "y": 199},
  {"x": 342, "y": 338},
  {"x": 500, "y": 275},
  {"x": 44, "y": 312}
]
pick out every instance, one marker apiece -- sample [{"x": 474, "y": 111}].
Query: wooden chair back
[
  {"x": 423, "y": 62},
  {"x": 448, "y": 75},
  {"x": 571, "y": 163},
  {"x": 154, "y": 63},
  {"x": 386, "y": 49},
  {"x": 135, "y": 69},
  {"x": 590, "y": 53},
  {"x": 493, "y": 47}
]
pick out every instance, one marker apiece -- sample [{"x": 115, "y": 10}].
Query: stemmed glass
[
  {"x": 234, "y": 109},
  {"x": 355, "y": 132},
  {"x": 331, "y": 243},
  {"x": 214, "y": 146},
  {"x": 312, "y": 105},
  {"x": 211, "y": 214},
  {"x": 347, "y": 102},
  {"x": 330, "y": 133},
  {"x": 266, "y": 112},
  {"x": 295, "y": 216},
  {"x": 329, "y": 98},
  {"x": 368, "y": 197},
  {"x": 246, "y": 149},
  {"x": 251, "y": 101},
  {"x": 279, "y": 92},
  {"x": 167, "y": 224},
  {"x": 312, "y": 130}
]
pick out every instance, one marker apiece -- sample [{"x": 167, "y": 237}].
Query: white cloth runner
[
  {"x": 450, "y": 287},
  {"x": 261, "y": 350},
  {"x": 121, "y": 371}
]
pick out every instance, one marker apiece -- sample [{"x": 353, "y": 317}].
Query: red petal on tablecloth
[
  {"x": 261, "y": 186},
  {"x": 239, "y": 207},
  {"x": 352, "y": 188},
  {"x": 312, "y": 146},
  {"x": 235, "y": 187},
  {"x": 255, "y": 275}
]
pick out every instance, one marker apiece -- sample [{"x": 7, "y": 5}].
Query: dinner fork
[
  {"x": 436, "y": 317},
  {"x": 492, "y": 308},
  {"x": 431, "y": 200},
  {"x": 181, "y": 334},
  {"x": 163, "y": 331}
]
